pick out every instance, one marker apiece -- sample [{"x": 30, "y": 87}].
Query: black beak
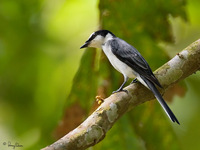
[{"x": 84, "y": 45}]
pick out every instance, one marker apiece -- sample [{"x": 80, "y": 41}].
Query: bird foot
[{"x": 120, "y": 90}]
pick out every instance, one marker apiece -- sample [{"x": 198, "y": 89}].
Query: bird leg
[{"x": 121, "y": 87}]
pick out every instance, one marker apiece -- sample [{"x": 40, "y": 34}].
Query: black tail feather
[{"x": 160, "y": 100}]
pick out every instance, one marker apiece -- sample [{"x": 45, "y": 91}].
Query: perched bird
[{"x": 128, "y": 61}]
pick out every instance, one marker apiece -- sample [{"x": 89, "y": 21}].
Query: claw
[{"x": 120, "y": 90}]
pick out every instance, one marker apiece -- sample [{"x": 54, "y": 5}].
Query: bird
[{"x": 129, "y": 62}]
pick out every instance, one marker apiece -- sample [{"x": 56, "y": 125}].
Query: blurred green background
[{"x": 40, "y": 57}]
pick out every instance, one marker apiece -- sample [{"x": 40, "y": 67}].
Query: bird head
[{"x": 98, "y": 38}]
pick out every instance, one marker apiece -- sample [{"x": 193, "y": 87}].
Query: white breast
[
  {"x": 117, "y": 64},
  {"x": 120, "y": 66}
]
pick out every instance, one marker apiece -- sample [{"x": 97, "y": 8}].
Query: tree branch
[{"x": 95, "y": 127}]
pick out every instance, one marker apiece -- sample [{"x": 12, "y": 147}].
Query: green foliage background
[{"x": 39, "y": 56}]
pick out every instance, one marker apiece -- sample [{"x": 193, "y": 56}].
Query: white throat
[{"x": 107, "y": 38}]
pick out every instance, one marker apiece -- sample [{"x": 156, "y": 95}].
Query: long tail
[{"x": 160, "y": 100}]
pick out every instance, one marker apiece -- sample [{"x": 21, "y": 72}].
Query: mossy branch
[{"x": 95, "y": 127}]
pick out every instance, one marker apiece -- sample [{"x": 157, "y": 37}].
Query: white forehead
[{"x": 91, "y": 35}]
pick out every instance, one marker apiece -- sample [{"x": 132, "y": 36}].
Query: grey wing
[{"x": 129, "y": 55}]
